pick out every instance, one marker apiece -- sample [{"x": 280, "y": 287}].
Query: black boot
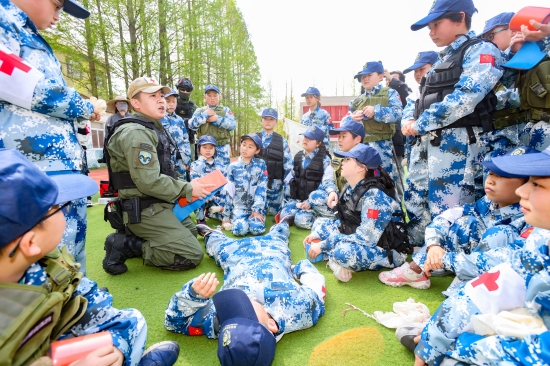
[
  {"x": 180, "y": 264},
  {"x": 119, "y": 247},
  {"x": 133, "y": 246}
]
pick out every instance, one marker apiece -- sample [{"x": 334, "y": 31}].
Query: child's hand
[
  {"x": 205, "y": 285},
  {"x": 257, "y": 216},
  {"x": 368, "y": 111},
  {"x": 310, "y": 238},
  {"x": 407, "y": 129},
  {"x": 104, "y": 356},
  {"x": 314, "y": 250},
  {"x": 516, "y": 42},
  {"x": 303, "y": 205},
  {"x": 357, "y": 116},
  {"x": 433, "y": 260},
  {"x": 542, "y": 31},
  {"x": 418, "y": 361},
  {"x": 332, "y": 199}
]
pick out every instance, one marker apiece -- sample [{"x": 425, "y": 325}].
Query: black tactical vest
[
  {"x": 166, "y": 148},
  {"x": 307, "y": 180},
  {"x": 441, "y": 82},
  {"x": 395, "y": 234},
  {"x": 185, "y": 111},
  {"x": 274, "y": 156}
]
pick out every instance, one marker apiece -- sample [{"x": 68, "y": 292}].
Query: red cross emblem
[
  {"x": 11, "y": 62},
  {"x": 489, "y": 280}
]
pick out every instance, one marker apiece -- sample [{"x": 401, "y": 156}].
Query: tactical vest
[
  {"x": 509, "y": 116},
  {"x": 274, "y": 156},
  {"x": 375, "y": 131},
  {"x": 394, "y": 236},
  {"x": 34, "y": 316},
  {"x": 185, "y": 111},
  {"x": 307, "y": 180},
  {"x": 166, "y": 149},
  {"x": 534, "y": 86},
  {"x": 221, "y": 135},
  {"x": 435, "y": 87},
  {"x": 336, "y": 164}
]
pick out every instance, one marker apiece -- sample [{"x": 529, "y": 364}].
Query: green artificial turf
[{"x": 149, "y": 290}]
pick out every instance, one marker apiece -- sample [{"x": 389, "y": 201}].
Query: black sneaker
[{"x": 203, "y": 229}]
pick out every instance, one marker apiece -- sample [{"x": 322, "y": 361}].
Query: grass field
[{"x": 335, "y": 340}]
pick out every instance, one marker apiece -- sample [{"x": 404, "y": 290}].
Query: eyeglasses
[
  {"x": 64, "y": 208},
  {"x": 491, "y": 35},
  {"x": 356, "y": 161},
  {"x": 58, "y": 6}
]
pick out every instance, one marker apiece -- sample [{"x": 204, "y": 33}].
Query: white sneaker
[
  {"x": 341, "y": 273},
  {"x": 89, "y": 203}
]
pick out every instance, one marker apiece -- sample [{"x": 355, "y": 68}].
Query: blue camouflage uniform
[
  {"x": 198, "y": 169},
  {"x": 359, "y": 251},
  {"x": 223, "y": 152},
  {"x": 250, "y": 182},
  {"x": 275, "y": 187},
  {"x": 441, "y": 177},
  {"x": 261, "y": 267},
  {"x": 317, "y": 199},
  {"x": 176, "y": 128},
  {"x": 390, "y": 114},
  {"x": 46, "y": 133},
  {"x": 446, "y": 331},
  {"x": 127, "y": 326},
  {"x": 319, "y": 118}
]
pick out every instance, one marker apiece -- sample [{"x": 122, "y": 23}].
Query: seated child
[
  {"x": 369, "y": 232},
  {"x": 523, "y": 279},
  {"x": 278, "y": 158},
  {"x": 199, "y": 168},
  {"x": 244, "y": 194},
  {"x": 311, "y": 181},
  {"x": 54, "y": 300},
  {"x": 458, "y": 231}
]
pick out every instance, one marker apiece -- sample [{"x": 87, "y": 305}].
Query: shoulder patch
[
  {"x": 372, "y": 214},
  {"x": 145, "y": 157},
  {"x": 487, "y": 59}
]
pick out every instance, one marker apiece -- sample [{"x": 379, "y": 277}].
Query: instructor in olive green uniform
[{"x": 142, "y": 169}]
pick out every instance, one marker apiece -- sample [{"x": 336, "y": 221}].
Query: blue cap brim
[
  {"x": 344, "y": 154},
  {"x": 73, "y": 186},
  {"x": 528, "y": 165},
  {"x": 492, "y": 167},
  {"x": 424, "y": 21},
  {"x": 414, "y": 67},
  {"x": 75, "y": 9},
  {"x": 527, "y": 57},
  {"x": 233, "y": 303},
  {"x": 303, "y": 95},
  {"x": 170, "y": 94},
  {"x": 336, "y": 131}
]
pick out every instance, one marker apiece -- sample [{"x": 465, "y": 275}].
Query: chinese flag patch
[
  {"x": 265, "y": 172},
  {"x": 526, "y": 233},
  {"x": 194, "y": 331},
  {"x": 487, "y": 59},
  {"x": 372, "y": 214}
]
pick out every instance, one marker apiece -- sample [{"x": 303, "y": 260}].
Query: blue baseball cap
[
  {"x": 257, "y": 140},
  {"x": 520, "y": 150},
  {"x": 524, "y": 161},
  {"x": 312, "y": 91},
  {"x": 75, "y": 9},
  {"x": 28, "y": 193},
  {"x": 372, "y": 66},
  {"x": 364, "y": 154},
  {"x": 206, "y": 139},
  {"x": 314, "y": 133},
  {"x": 528, "y": 56},
  {"x": 211, "y": 87},
  {"x": 440, "y": 7},
  {"x": 172, "y": 92},
  {"x": 423, "y": 58},
  {"x": 350, "y": 125},
  {"x": 242, "y": 340},
  {"x": 270, "y": 112},
  {"x": 496, "y": 21}
]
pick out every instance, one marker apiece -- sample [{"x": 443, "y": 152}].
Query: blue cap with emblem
[
  {"x": 211, "y": 87},
  {"x": 206, "y": 139},
  {"x": 312, "y": 91},
  {"x": 520, "y": 150},
  {"x": 496, "y": 21},
  {"x": 243, "y": 340},
  {"x": 314, "y": 133},
  {"x": 423, "y": 58},
  {"x": 524, "y": 162},
  {"x": 440, "y": 7},
  {"x": 270, "y": 112},
  {"x": 372, "y": 66},
  {"x": 172, "y": 92},
  {"x": 350, "y": 125},
  {"x": 257, "y": 140},
  {"x": 364, "y": 154},
  {"x": 28, "y": 193}
]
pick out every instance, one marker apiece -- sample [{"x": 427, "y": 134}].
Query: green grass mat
[{"x": 360, "y": 340}]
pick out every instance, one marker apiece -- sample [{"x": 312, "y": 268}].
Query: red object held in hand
[
  {"x": 522, "y": 17},
  {"x": 65, "y": 352}
]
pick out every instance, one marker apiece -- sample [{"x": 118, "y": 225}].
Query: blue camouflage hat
[
  {"x": 312, "y": 91},
  {"x": 270, "y": 112},
  {"x": 520, "y": 150},
  {"x": 364, "y": 154},
  {"x": 372, "y": 66},
  {"x": 28, "y": 193},
  {"x": 243, "y": 340},
  {"x": 496, "y": 21},
  {"x": 440, "y": 7},
  {"x": 172, "y": 92},
  {"x": 206, "y": 139},
  {"x": 211, "y": 87},
  {"x": 423, "y": 58},
  {"x": 257, "y": 140},
  {"x": 314, "y": 133},
  {"x": 524, "y": 162},
  {"x": 350, "y": 125}
]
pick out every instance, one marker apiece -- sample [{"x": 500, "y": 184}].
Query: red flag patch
[
  {"x": 526, "y": 233},
  {"x": 372, "y": 214},
  {"x": 265, "y": 173},
  {"x": 194, "y": 331},
  {"x": 487, "y": 59}
]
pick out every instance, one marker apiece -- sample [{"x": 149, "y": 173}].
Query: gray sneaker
[{"x": 407, "y": 332}]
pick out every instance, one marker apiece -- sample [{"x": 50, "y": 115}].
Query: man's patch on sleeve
[
  {"x": 487, "y": 59},
  {"x": 145, "y": 157},
  {"x": 372, "y": 214}
]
